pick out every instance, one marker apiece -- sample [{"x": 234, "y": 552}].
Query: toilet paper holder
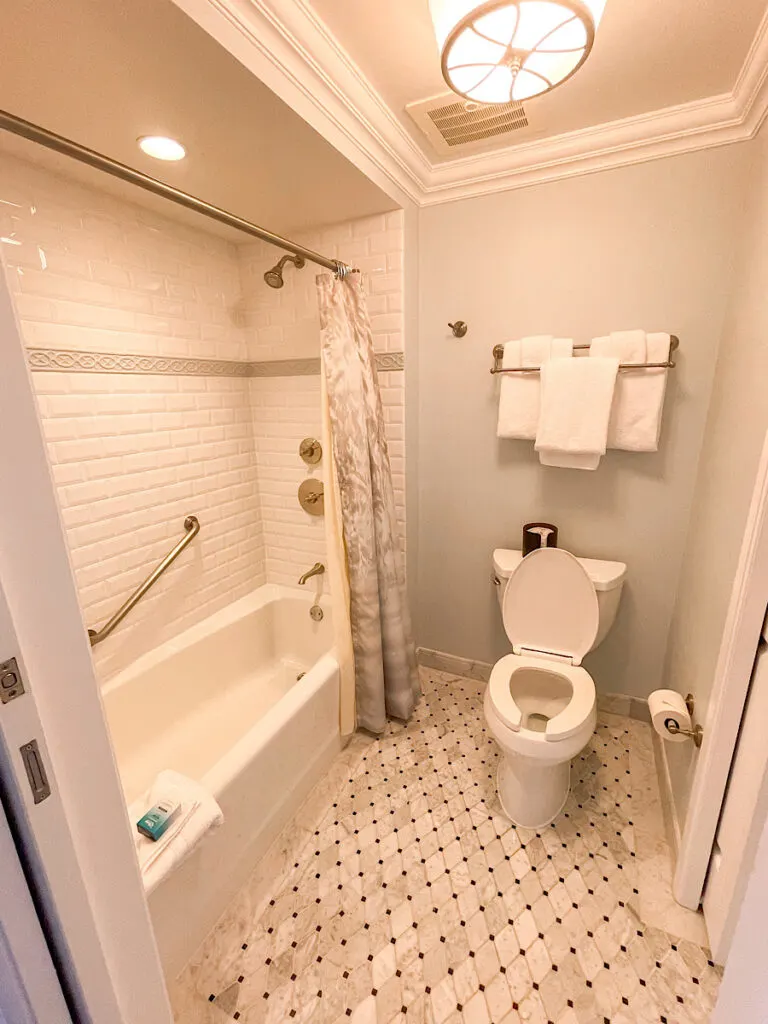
[{"x": 696, "y": 733}]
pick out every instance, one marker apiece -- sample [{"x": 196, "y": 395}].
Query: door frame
[
  {"x": 741, "y": 635},
  {"x": 77, "y": 845}
]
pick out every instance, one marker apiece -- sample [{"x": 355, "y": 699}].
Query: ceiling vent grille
[{"x": 462, "y": 122}]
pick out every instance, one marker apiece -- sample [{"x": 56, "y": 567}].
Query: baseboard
[
  {"x": 611, "y": 703},
  {"x": 623, "y": 704},
  {"x": 452, "y": 663}
]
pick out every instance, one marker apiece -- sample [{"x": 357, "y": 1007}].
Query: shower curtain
[{"x": 386, "y": 681}]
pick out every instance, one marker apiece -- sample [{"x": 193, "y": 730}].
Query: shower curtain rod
[{"x": 33, "y": 132}]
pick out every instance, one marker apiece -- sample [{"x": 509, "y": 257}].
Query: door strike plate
[
  {"x": 11, "y": 682},
  {"x": 36, "y": 773}
]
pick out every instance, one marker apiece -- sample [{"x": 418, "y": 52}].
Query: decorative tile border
[
  {"x": 71, "y": 361},
  {"x": 285, "y": 368},
  {"x": 66, "y": 360},
  {"x": 390, "y": 360}
]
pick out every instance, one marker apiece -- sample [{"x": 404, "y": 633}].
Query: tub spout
[{"x": 317, "y": 570}]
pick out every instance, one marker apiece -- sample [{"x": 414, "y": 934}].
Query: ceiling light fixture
[
  {"x": 502, "y": 51},
  {"x": 161, "y": 147}
]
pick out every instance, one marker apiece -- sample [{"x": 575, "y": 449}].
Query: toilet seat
[
  {"x": 550, "y": 606},
  {"x": 567, "y": 722},
  {"x": 551, "y": 616}
]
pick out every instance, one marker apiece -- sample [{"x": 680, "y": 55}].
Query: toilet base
[{"x": 532, "y": 794}]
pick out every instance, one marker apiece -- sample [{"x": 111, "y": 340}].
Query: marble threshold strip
[{"x": 72, "y": 361}]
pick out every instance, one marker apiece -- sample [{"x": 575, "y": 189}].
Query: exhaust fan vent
[{"x": 462, "y": 122}]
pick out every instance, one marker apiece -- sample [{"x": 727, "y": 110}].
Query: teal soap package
[{"x": 158, "y": 819}]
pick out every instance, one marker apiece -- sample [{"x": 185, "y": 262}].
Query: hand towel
[
  {"x": 638, "y": 401},
  {"x": 576, "y": 396},
  {"x": 519, "y": 394},
  {"x": 199, "y": 816}
]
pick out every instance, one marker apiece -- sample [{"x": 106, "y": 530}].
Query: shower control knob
[{"x": 311, "y": 450}]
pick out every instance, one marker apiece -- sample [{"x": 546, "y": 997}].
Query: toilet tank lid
[{"x": 604, "y": 575}]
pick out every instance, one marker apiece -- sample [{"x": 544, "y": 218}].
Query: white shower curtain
[{"x": 386, "y": 681}]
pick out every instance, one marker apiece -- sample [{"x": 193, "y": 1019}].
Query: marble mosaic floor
[{"x": 415, "y": 901}]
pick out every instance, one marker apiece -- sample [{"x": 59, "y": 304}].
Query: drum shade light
[{"x": 502, "y": 52}]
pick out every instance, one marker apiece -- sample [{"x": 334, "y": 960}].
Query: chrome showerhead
[{"x": 274, "y": 276}]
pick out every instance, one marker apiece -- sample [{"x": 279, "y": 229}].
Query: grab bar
[{"x": 192, "y": 526}]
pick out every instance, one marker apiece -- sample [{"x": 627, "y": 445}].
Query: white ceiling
[
  {"x": 104, "y": 72},
  {"x": 648, "y": 55}
]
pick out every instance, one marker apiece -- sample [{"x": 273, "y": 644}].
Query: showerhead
[{"x": 274, "y": 276}]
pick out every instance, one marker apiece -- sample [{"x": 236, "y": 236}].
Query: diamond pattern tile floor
[{"x": 417, "y": 902}]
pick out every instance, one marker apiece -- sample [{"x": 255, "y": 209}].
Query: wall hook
[{"x": 459, "y": 329}]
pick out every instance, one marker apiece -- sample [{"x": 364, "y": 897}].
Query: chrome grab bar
[{"x": 192, "y": 526}]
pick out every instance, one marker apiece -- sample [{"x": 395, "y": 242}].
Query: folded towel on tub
[{"x": 199, "y": 816}]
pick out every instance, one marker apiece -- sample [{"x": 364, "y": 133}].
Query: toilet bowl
[{"x": 540, "y": 704}]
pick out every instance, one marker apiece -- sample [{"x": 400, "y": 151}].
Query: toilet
[{"x": 540, "y": 704}]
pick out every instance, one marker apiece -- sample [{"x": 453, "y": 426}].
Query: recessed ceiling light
[{"x": 161, "y": 147}]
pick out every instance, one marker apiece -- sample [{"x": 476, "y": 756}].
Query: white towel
[
  {"x": 638, "y": 400},
  {"x": 519, "y": 394},
  {"x": 199, "y": 816},
  {"x": 576, "y": 396}
]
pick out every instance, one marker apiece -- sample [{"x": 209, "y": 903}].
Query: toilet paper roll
[{"x": 669, "y": 705}]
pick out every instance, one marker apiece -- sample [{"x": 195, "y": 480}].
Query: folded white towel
[
  {"x": 638, "y": 400},
  {"x": 199, "y": 816},
  {"x": 519, "y": 394},
  {"x": 576, "y": 397}
]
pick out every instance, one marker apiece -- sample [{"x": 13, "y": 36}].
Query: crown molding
[{"x": 289, "y": 48}]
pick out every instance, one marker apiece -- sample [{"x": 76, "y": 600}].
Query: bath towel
[
  {"x": 199, "y": 816},
  {"x": 576, "y": 396},
  {"x": 519, "y": 393},
  {"x": 638, "y": 400}
]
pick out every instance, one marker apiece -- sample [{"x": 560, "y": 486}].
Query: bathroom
[{"x": 352, "y": 846}]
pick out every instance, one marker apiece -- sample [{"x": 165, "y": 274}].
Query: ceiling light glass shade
[
  {"x": 161, "y": 147},
  {"x": 510, "y": 50}
]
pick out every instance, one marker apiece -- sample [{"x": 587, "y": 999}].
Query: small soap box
[{"x": 158, "y": 819}]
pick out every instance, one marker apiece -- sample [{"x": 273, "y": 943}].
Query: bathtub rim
[{"x": 258, "y": 598}]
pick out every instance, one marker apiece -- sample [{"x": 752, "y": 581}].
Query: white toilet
[{"x": 540, "y": 704}]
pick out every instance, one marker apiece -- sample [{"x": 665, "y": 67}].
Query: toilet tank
[{"x": 607, "y": 579}]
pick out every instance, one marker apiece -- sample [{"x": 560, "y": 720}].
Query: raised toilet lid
[{"x": 550, "y": 605}]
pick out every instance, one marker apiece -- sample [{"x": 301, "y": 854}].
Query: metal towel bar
[
  {"x": 192, "y": 527},
  {"x": 498, "y": 355}
]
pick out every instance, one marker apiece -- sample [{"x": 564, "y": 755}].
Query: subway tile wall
[
  {"x": 284, "y": 324},
  {"x": 131, "y": 454}
]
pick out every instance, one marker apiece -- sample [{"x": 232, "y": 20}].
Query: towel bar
[{"x": 498, "y": 355}]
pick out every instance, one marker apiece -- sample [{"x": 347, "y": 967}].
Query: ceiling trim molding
[
  {"x": 288, "y": 46},
  {"x": 295, "y": 58}
]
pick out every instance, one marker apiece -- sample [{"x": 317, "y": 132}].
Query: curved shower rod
[{"x": 34, "y": 133}]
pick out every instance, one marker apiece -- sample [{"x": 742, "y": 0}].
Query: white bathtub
[{"x": 223, "y": 704}]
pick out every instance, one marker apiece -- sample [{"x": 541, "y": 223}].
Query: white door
[
  {"x": 741, "y": 634},
  {"x": 30, "y": 992},
  {"x": 743, "y": 814}
]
